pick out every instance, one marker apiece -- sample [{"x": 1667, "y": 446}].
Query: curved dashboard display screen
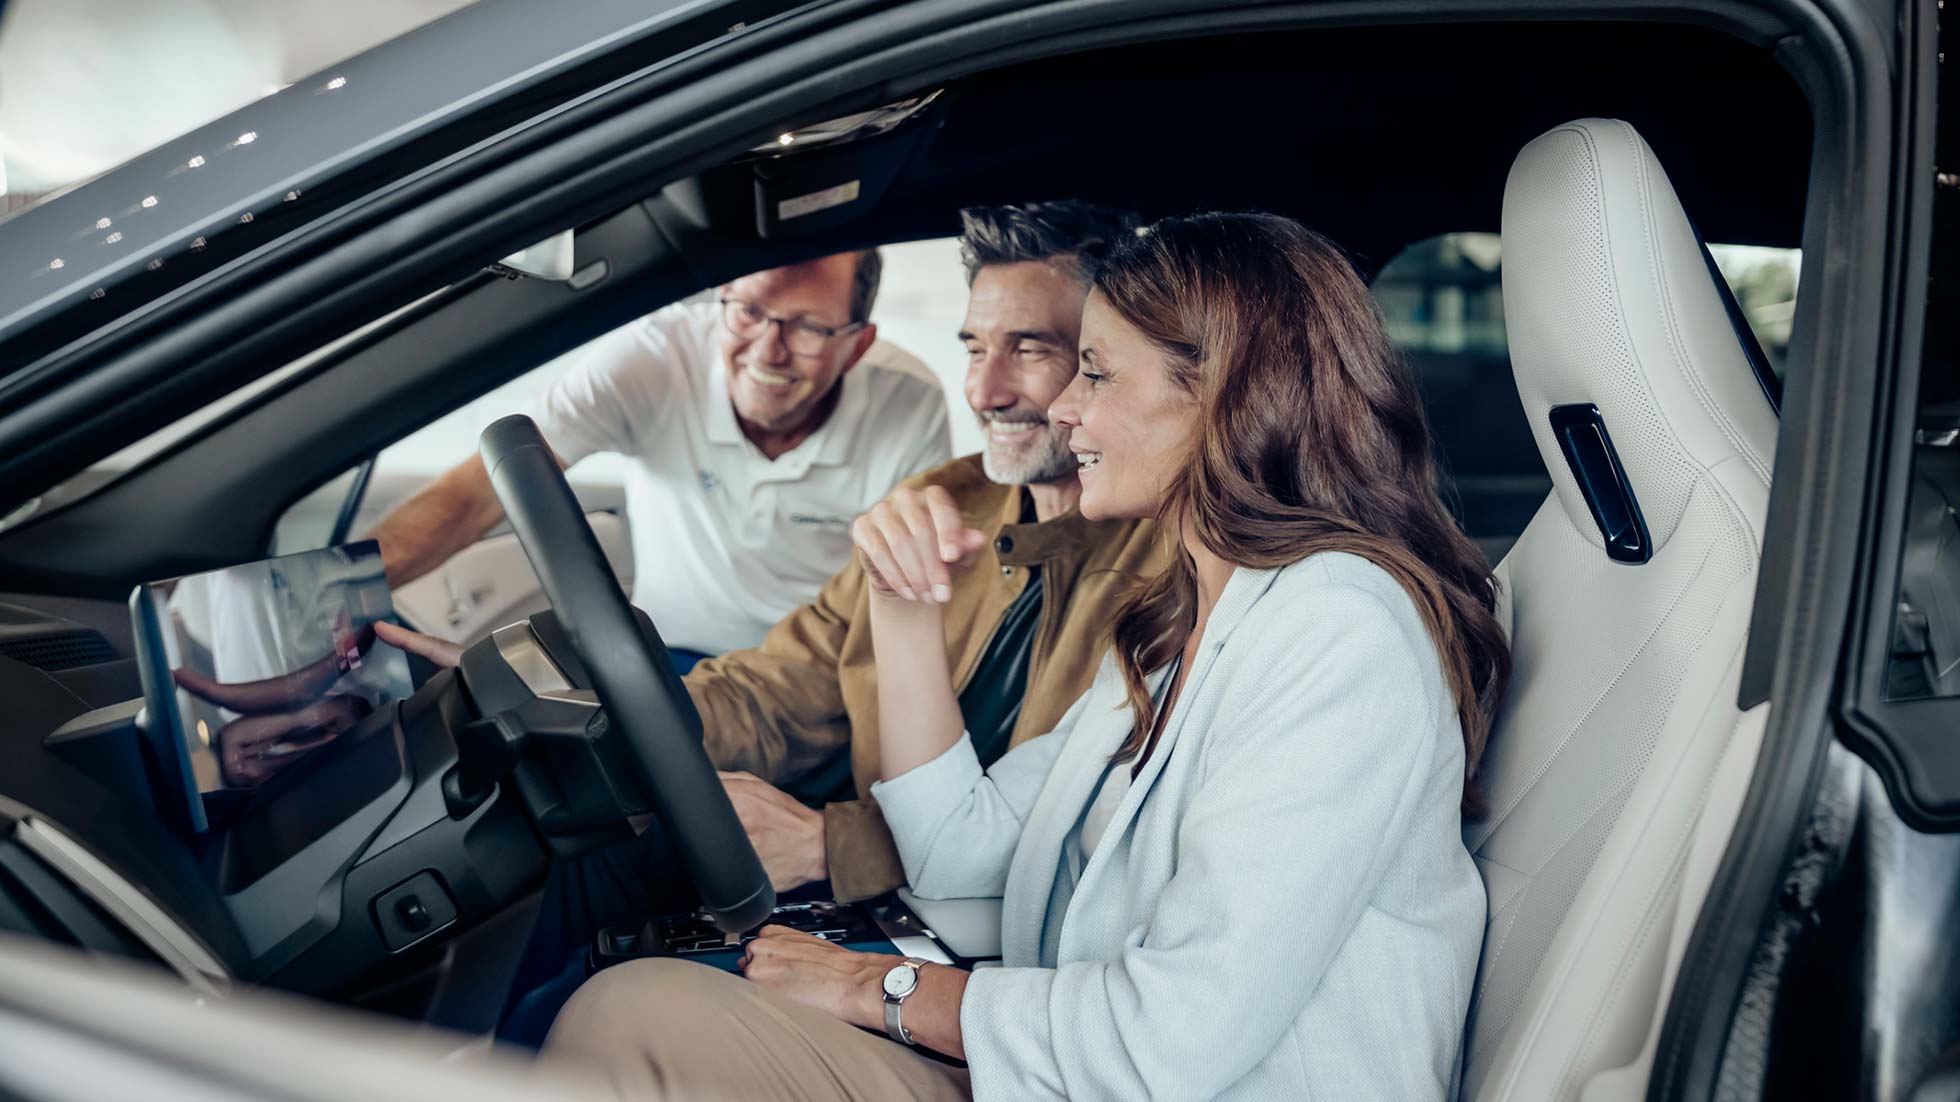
[{"x": 247, "y": 669}]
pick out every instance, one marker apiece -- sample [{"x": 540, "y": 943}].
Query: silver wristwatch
[{"x": 899, "y": 984}]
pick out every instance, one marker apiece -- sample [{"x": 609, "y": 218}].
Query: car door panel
[{"x": 490, "y": 584}]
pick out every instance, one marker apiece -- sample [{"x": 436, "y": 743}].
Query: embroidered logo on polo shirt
[
  {"x": 708, "y": 481},
  {"x": 819, "y": 521}
]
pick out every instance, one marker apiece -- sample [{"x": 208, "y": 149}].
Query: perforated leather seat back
[{"x": 1627, "y": 600}]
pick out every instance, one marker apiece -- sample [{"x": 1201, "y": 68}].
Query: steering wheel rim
[{"x": 631, "y": 673}]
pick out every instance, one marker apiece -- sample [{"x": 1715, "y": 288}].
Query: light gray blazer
[{"x": 1282, "y": 907}]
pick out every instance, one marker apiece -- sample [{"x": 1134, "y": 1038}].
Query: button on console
[{"x": 413, "y": 910}]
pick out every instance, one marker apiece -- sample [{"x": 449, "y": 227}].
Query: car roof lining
[
  {"x": 1179, "y": 126},
  {"x": 1359, "y": 148}
]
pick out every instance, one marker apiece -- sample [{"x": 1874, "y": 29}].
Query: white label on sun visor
[{"x": 816, "y": 201}]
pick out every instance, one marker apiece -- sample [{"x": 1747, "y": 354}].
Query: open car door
[{"x": 1822, "y": 965}]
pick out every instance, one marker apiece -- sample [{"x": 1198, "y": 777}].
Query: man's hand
[
  {"x": 786, "y": 835},
  {"x": 440, "y": 651}
]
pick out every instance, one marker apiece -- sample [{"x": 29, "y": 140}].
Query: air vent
[{"x": 58, "y": 650}]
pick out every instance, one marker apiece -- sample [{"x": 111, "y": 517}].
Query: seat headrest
[{"x": 1611, "y": 303}]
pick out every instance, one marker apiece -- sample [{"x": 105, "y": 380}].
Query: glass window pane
[
  {"x": 1764, "y": 282},
  {"x": 1443, "y": 301}
]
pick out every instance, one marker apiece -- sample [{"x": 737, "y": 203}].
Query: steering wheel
[{"x": 631, "y": 673}]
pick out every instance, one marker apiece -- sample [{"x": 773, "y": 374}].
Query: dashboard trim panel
[{"x": 171, "y": 942}]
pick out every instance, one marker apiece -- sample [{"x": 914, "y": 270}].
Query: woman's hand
[
  {"x": 842, "y": 982},
  {"x": 440, "y": 651},
  {"x": 913, "y": 542},
  {"x": 851, "y": 985}
]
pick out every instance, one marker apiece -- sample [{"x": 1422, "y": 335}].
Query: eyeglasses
[{"x": 800, "y": 335}]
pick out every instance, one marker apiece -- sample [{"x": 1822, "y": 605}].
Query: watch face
[{"x": 900, "y": 981}]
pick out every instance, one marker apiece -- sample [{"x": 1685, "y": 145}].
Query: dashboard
[
  {"x": 344, "y": 873},
  {"x": 388, "y": 859}
]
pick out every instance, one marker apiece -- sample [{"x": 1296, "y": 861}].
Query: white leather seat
[{"x": 1620, "y": 758}]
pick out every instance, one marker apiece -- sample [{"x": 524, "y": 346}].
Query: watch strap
[{"x": 894, "y": 1028}]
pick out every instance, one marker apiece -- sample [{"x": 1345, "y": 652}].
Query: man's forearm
[
  {"x": 451, "y": 514},
  {"x": 777, "y": 710}
]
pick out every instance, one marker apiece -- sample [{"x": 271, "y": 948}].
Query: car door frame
[{"x": 1860, "y": 348}]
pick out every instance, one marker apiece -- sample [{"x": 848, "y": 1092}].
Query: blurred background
[{"x": 88, "y": 84}]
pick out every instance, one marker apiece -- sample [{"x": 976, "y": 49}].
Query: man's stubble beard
[{"x": 1051, "y": 462}]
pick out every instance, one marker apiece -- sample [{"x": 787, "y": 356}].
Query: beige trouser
[{"x": 671, "y": 1029}]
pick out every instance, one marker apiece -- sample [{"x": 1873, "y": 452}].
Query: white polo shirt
[{"x": 725, "y": 540}]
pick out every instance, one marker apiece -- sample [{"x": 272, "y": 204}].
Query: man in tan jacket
[{"x": 1026, "y": 628}]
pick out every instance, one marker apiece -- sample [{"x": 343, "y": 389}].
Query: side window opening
[
  {"x": 1443, "y": 301},
  {"x": 918, "y": 309},
  {"x": 918, "y": 312}
]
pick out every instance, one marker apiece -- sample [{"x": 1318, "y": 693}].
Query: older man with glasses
[{"x": 757, "y": 426}]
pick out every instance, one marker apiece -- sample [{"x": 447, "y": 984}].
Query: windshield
[{"x": 87, "y": 84}]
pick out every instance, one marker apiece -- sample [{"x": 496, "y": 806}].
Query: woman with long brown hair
[{"x": 1236, "y": 868}]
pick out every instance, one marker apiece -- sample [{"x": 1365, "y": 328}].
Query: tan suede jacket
[{"x": 810, "y": 690}]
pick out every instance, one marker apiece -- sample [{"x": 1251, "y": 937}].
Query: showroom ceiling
[{"x": 87, "y": 84}]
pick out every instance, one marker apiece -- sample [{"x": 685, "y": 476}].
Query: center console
[{"x": 882, "y": 925}]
